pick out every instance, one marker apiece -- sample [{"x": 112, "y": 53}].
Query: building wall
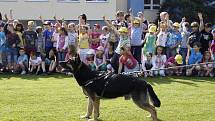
[
  {"x": 121, "y": 5},
  {"x": 68, "y": 10},
  {"x": 151, "y": 15}
]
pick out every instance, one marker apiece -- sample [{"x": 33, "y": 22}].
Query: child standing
[
  {"x": 12, "y": 41},
  {"x": 30, "y": 37},
  {"x": 72, "y": 35},
  {"x": 94, "y": 37},
  {"x": 40, "y": 43},
  {"x": 104, "y": 36},
  {"x": 62, "y": 44},
  {"x": 83, "y": 42},
  {"x": 159, "y": 61},
  {"x": 162, "y": 35},
  {"x": 2, "y": 44},
  {"x": 136, "y": 38},
  {"x": 173, "y": 40},
  {"x": 150, "y": 40},
  {"x": 19, "y": 31},
  {"x": 100, "y": 59}
]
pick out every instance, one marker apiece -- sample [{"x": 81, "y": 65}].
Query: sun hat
[
  {"x": 178, "y": 59},
  {"x": 176, "y": 24},
  {"x": 152, "y": 28},
  {"x": 123, "y": 29}
]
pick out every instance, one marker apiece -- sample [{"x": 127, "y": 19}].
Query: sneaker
[{"x": 23, "y": 72}]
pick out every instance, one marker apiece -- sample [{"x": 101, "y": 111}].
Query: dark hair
[
  {"x": 22, "y": 28},
  {"x": 127, "y": 16},
  {"x": 72, "y": 49},
  {"x": 198, "y": 44},
  {"x": 64, "y": 30},
  {"x": 21, "y": 48},
  {"x": 86, "y": 27},
  {"x": 0, "y": 16},
  {"x": 149, "y": 54},
  {"x": 83, "y": 16},
  {"x": 208, "y": 25},
  {"x": 157, "y": 49},
  {"x": 111, "y": 44}
]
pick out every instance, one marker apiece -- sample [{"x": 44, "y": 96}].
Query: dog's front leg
[{"x": 89, "y": 109}]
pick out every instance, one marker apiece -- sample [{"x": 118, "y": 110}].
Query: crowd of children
[{"x": 129, "y": 43}]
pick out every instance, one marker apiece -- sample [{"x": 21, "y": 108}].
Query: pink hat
[{"x": 100, "y": 48}]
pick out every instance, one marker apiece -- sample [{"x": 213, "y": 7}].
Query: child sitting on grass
[
  {"x": 207, "y": 69},
  {"x": 159, "y": 61},
  {"x": 173, "y": 62},
  {"x": 34, "y": 63},
  {"x": 194, "y": 56},
  {"x": 22, "y": 62},
  {"x": 147, "y": 65}
]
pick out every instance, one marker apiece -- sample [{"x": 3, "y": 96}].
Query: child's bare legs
[
  {"x": 209, "y": 72},
  {"x": 38, "y": 69},
  {"x": 52, "y": 66},
  {"x": 43, "y": 65}
]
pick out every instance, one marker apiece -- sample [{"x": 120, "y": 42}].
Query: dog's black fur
[{"x": 113, "y": 85}]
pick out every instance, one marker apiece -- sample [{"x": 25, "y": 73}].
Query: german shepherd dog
[{"x": 97, "y": 86}]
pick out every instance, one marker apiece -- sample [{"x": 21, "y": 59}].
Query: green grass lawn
[{"x": 59, "y": 98}]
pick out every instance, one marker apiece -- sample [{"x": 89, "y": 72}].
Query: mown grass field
[{"x": 59, "y": 98}]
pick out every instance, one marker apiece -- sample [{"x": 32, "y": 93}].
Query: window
[
  {"x": 96, "y": 0},
  {"x": 68, "y": 0},
  {"x": 8, "y": 0},
  {"x": 152, "y": 4},
  {"x": 36, "y": 0}
]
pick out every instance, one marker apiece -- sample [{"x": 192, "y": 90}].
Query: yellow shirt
[
  {"x": 22, "y": 43},
  {"x": 83, "y": 41}
]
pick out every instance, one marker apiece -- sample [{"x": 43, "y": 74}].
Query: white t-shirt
[
  {"x": 161, "y": 39},
  {"x": 72, "y": 38},
  {"x": 55, "y": 37},
  {"x": 35, "y": 61}
]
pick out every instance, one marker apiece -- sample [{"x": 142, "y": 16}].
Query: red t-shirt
[{"x": 128, "y": 60}]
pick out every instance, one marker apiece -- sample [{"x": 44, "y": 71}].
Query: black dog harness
[{"x": 103, "y": 75}]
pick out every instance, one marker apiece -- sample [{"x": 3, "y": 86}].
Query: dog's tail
[{"x": 154, "y": 98}]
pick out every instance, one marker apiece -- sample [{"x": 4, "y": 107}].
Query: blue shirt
[
  {"x": 22, "y": 58},
  {"x": 173, "y": 38},
  {"x": 2, "y": 39},
  {"x": 48, "y": 37},
  {"x": 136, "y": 36},
  {"x": 194, "y": 57}
]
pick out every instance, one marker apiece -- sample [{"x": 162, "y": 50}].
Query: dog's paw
[
  {"x": 85, "y": 117},
  {"x": 92, "y": 120}
]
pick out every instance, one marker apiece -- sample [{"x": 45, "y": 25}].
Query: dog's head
[{"x": 72, "y": 64}]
